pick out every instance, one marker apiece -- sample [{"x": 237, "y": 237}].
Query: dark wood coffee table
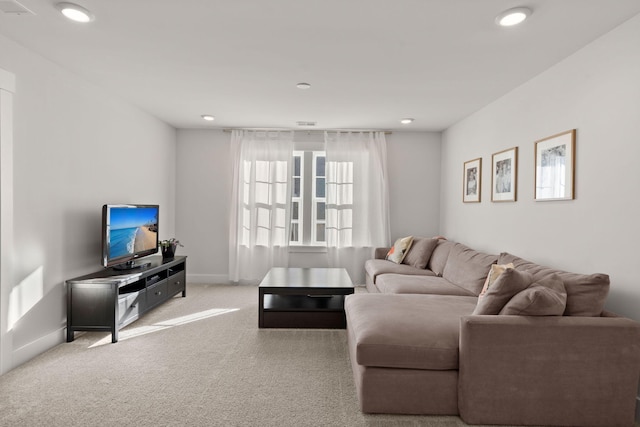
[{"x": 304, "y": 298}]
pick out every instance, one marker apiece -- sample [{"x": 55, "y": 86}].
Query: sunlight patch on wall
[
  {"x": 156, "y": 327},
  {"x": 24, "y": 296}
]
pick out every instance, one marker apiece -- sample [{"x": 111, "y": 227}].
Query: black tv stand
[
  {"x": 131, "y": 265},
  {"x": 110, "y": 299}
]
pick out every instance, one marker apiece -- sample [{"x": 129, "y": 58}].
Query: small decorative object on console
[{"x": 168, "y": 247}]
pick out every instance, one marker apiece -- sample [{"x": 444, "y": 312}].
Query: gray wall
[
  {"x": 597, "y": 92},
  {"x": 76, "y": 147},
  {"x": 203, "y": 195}
]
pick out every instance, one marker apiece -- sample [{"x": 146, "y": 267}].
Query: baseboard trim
[
  {"x": 37, "y": 347},
  {"x": 206, "y": 279}
]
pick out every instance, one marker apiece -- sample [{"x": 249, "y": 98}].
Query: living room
[{"x": 76, "y": 146}]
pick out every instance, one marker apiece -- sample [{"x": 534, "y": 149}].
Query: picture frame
[
  {"x": 472, "y": 181},
  {"x": 555, "y": 167},
  {"x": 504, "y": 175}
]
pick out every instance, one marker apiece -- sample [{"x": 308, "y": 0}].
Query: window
[
  {"x": 267, "y": 193},
  {"x": 340, "y": 185},
  {"x": 308, "y": 199}
]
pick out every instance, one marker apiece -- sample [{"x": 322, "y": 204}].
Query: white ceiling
[{"x": 370, "y": 62}]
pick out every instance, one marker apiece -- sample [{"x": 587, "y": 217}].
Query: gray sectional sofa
[{"x": 416, "y": 346}]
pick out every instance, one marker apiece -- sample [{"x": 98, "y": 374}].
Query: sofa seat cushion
[
  {"x": 404, "y": 284},
  {"x": 375, "y": 267},
  {"x": 407, "y": 331},
  {"x": 586, "y": 293}
]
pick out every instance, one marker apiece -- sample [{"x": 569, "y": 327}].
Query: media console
[{"x": 108, "y": 300}]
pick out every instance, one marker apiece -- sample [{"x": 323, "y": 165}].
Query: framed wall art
[
  {"x": 555, "y": 167},
  {"x": 472, "y": 181},
  {"x": 504, "y": 175}
]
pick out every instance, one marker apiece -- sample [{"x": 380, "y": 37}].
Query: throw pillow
[
  {"x": 496, "y": 270},
  {"x": 546, "y": 297},
  {"x": 420, "y": 251},
  {"x": 509, "y": 283},
  {"x": 399, "y": 249}
]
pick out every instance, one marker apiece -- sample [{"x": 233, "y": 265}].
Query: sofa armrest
[
  {"x": 381, "y": 253},
  {"x": 548, "y": 370}
]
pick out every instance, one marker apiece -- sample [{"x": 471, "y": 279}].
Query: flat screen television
[{"x": 128, "y": 232}]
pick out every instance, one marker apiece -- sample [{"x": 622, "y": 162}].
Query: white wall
[
  {"x": 597, "y": 92},
  {"x": 203, "y": 195},
  {"x": 76, "y": 147},
  {"x": 414, "y": 183}
]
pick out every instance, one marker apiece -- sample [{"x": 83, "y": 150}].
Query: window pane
[
  {"x": 320, "y": 166},
  {"x": 320, "y": 233},
  {"x": 294, "y": 232},
  {"x": 320, "y": 212},
  {"x": 296, "y": 165},
  {"x": 295, "y": 210},
  {"x": 320, "y": 190},
  {"x": 263, "y": 193},
  {"x": 296, "y": 187}
]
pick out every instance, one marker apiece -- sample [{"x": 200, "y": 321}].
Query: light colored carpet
[{"x": 195, "y": 361}]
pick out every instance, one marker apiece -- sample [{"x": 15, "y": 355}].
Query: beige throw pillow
[
  {"x": 420, "y": 251},
  {"x": 509, "y": 283},
  {"x": 546, "y": 297},
  {"x": 399, "y": 249},
  {"x": 496, "y": 270}
]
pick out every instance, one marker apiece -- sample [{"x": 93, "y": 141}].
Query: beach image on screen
[{"x": 132, "y": 230}]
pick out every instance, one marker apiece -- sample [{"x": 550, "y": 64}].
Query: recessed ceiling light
[
  {"x": 75, "y": 12},
  {"x": 513, "y": 16},
  {"x": 208, "y": 117},
  {"x": 406, "y": 121},
  {"x": 303, "y": 85}
]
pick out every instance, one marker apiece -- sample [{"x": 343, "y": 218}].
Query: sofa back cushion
[
  {"x": 439, "y": 256},
  {"x": 468, "y": 268},
  {"x": 420, "y": 252},
  {"x": 586, "y": 293}
]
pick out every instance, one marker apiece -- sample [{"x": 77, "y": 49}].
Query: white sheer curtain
[
  {"x": 260, "y": 203},
  {"x": 357, "y": 210}
]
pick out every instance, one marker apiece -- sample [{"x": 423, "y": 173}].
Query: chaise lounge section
[{"x": 416, "y": 346}]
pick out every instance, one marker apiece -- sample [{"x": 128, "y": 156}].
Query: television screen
[{"x": 129, "y": 232}]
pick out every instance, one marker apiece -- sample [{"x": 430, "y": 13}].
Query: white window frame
[
  {"x": 299, "y": 200},
  {"x": 307, "y": 202},
  {"x": 315, "y": 200}
]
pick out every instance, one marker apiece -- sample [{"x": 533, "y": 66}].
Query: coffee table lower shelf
[{"x": 302, "y": 311}]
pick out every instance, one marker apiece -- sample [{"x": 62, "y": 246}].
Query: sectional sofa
[{"x": 418, "y": 345}]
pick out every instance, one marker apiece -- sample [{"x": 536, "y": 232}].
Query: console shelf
[
  {"x": 108, "y": 300},
  {"x": 303, "y": 303}
]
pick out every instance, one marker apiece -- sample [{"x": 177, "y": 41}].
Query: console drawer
[
  {"x": 157, "y": 293},
  {"x": 176, "y": 283},
  {"x": 130, "y": 306}
]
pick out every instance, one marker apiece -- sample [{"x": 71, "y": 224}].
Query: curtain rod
[{"x": 386, "y": 132}]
